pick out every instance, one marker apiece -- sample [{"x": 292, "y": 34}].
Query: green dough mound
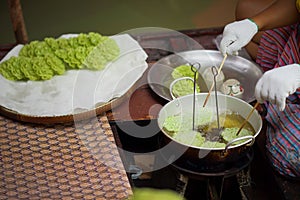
[
  {"x": 186, "y": 86},
  {"x": 173, "y": 123},
  {"x": 102, "y": 54},
  {"x": 41, "y": 60},
  {"x": 229, "y": 134},
  {"x": 183, "y": 71},
  {"x": 37, "y": 68},
  {"x": 35, "y": 49},
  {"x": 155, "y": 194},
  {"x": 193, "y": 138},
  {"x": 184, "y": 122},
  {"x": 180, "y": 128}
]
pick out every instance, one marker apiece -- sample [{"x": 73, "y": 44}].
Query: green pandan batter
[
  {"x": 41, "y": 60},
  {"x": 184, "y": 87}
]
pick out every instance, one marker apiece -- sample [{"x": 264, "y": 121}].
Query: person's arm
[
  {"x": 239, "y": 33},
  {"x": 280, "y": 13}
]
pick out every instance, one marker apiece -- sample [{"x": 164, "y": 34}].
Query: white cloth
[{"x": 76, "y": 90}]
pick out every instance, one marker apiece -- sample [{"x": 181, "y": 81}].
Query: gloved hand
[
  {"x": 277, "y": 84},
  {"x": 237, "y": 35}
]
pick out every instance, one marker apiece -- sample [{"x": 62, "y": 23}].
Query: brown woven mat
[{"x": 78, "y": 161}]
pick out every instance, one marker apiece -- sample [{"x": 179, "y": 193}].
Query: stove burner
[
  {"x": 201, "y": 180},
  {"x": 223, "y": 169},
  {"x": 213, "y": 177}
]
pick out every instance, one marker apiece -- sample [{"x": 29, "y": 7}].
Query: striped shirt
[{"x": 279, "y": 47}]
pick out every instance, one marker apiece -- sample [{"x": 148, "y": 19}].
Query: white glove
[
  {"x": 277, "y": 84},
  {"x": 237, "y": 35}
]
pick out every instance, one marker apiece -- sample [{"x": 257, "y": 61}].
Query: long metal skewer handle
[
  {"x": 212, "y": 86},
  {"x": 215, "y": 74},
  {"x": 195, "y": 68}
]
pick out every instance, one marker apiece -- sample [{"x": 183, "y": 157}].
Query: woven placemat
[{"x": 76, "y": 161}]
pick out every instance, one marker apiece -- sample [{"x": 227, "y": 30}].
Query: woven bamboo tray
[{"x": 71, "y": 117}]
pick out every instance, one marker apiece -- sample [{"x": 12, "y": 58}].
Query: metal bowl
[
  {"x": 235, "y": 67},
  {"x": 208, "y": 156}
]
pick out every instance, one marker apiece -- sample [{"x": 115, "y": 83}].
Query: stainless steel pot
[{"x": 209, "y": 156}]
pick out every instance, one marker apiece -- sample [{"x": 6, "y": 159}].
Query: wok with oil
[{"x": 208, "y": 156}]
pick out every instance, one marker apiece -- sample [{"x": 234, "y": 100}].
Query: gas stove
[
  {"x": 197, "y": 169},
  {"x": 213, "y": 180},
  {"x": 210, "y": 181}
]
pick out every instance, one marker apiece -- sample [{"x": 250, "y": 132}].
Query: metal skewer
[
  {"x": 215, "y": 73},
  {"x": 195, "y": 68},
  {"x": 214, "y": 83}
]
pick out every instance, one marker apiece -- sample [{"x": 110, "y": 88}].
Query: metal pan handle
[
  {"x": 174, "y": 82},
  {"x": 241, "y": 138}
]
